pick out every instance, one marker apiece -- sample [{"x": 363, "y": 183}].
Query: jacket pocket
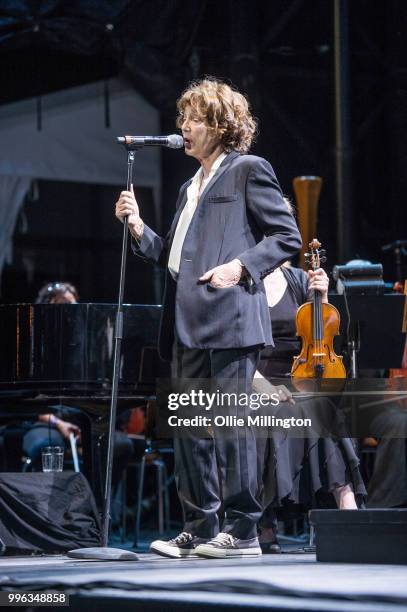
[
  {"x": 220, "y": 199},
  {"x": 213, "y": 289}
]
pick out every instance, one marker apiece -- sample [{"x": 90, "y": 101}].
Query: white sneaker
[
  {"x": 224, "y": 546},
  {"x": 183, "y": 545}
]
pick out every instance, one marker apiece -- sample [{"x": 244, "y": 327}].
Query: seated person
[
  {"x": 298, "y": 471},
  {"x": 49, "y": 430},
  {"x": 57, "y": 293},
  {"x": 52, "y": 430}
]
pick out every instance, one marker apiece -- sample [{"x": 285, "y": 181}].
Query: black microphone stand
[{"x": 104, "y": 552}]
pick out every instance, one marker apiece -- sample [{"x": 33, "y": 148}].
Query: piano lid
[{"x": 69, "y": 347}]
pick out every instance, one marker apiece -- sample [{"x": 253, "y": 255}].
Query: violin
[{"x": 317, "y": 325}]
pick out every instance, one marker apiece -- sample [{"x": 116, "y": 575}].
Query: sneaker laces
[
  {"x": 224, "y": 539},
  {"x": 183, "y": 538}
]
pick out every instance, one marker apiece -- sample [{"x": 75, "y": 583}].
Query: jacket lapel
[
  {"x": 221, "y": 170},
  {"x": 183, "y": 195},
  {"x": 182, "y": 198}
]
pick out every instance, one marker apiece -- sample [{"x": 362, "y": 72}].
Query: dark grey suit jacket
[{"x": 242, "y": 214}]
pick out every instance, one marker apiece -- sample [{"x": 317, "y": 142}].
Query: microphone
[{"x": 174, "y": 141}]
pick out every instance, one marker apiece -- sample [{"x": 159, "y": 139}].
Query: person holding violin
[{"x": 299, "y": 472}]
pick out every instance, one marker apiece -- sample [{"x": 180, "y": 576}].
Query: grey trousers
[{"x": 218, "y": 477}]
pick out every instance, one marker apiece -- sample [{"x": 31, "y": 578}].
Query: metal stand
[
  {"x": 399, "y": 250},
  {"x": 353, "y": 349},
  {"x": 103, "y": 552},
  {"x": 343, "y": 146}
]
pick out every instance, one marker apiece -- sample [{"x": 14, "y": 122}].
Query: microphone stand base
[{"x": 103, "y": 553}]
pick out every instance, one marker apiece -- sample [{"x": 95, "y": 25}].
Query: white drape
[
  {"x": 13, "y": 190},
  {"x": 74, "y": 145}
]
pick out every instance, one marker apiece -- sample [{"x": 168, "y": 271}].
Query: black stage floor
[{"x": 290, "y": 581}]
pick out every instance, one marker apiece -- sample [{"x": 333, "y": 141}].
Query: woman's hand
[
  {"x": 318, "y": 279},
  {"x": 264, "y": 386},
  {"x": 224, "y": 276},
  {"x": 65, "y": 428},
  {"x": 126, "y": 206},
  {"x": 285, "y": 394}
]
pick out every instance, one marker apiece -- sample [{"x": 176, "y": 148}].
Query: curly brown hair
[{"x": 223, "y": 109}]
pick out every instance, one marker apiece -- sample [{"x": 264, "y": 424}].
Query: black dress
[{"x": 300, "y": 472}]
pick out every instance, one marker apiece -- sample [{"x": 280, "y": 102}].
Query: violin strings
[{"x": 318, "y": 326}]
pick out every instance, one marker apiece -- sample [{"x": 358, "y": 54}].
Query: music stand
[
  {"x": 375, "y": 330},
  {"x": 373, "y": 337}
]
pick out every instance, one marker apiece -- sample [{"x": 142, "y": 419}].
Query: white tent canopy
[{"x": 73, "y": 145}]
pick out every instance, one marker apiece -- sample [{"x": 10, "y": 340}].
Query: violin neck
[{"x": 317, "y": 323}]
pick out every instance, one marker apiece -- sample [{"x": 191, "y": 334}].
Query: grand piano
[
  {"x": 55, "y": 355},
  {"x": 62, "y": 355}
]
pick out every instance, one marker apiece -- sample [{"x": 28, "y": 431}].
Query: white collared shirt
[{"x": 194, "y": 191}]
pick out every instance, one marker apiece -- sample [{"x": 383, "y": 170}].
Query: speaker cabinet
[{"x": 361, "y": 536}]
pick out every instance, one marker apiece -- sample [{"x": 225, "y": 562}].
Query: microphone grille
[{"x": 175, "y": 141}]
